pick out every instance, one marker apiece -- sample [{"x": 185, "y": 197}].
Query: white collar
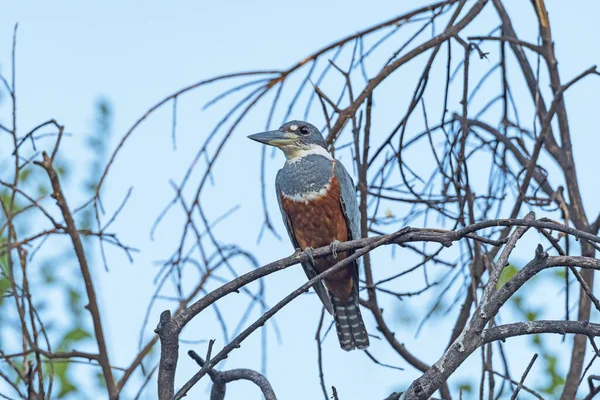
[{"x": 298, "y": 153}]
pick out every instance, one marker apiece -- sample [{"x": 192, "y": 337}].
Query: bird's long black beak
[{"x": 274, "y": 138}]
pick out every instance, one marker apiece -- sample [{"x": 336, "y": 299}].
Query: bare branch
[
  {"x": 516, "y": 392},
  {"x": 85, "y": 272},
  {"x": 222, "y": 378}
]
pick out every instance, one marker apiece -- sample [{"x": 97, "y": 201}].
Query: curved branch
[
  {"x": 406, "y": 235},
  {"x": 261, "y": 321},
  {"x": 470, "y": 338},
  {"x": 503, "y": 332},
  {"x": 388, "y": 69},
  {"x": 220, "y": 379},
  {"x": 169, "y": 328},
  {"x": 246, "y": 374}
]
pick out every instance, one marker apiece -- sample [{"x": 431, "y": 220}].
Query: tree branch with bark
[{"x": 450, "y": 172}]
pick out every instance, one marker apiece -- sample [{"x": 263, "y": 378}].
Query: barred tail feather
[{"x": 349, "y": 324}]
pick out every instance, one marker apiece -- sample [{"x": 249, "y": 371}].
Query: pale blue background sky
[{"x": 135, "y": 53}]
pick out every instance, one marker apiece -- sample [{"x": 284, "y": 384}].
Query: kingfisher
[{"x": 317, "y": 200}]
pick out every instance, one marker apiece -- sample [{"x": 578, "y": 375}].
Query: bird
[{"x": 317, "y": 200}]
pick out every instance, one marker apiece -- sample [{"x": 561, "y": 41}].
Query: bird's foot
[
  {"x": 333, "y": 247},
  {"x": 309, "y": 253}
]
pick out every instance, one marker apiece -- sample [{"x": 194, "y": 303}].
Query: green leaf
[
  {"x": 100, "y": 381},
  {"x": 61, "y": 371},
  {"x": 42, "y": 190},
  {"x": 73, "y": 336},
  {"x": 518, "y": 300},
  {"x": 560, "y": 273},
  {"x": 531, "y": 315},
  {"x": 465, "y": 387},
  {"x": 556, "y": 381},
  {"x": 551, "y": 360},
  {"x": 76, "y": 335},
  {"x": 74, "y": 300},
  {"x": 61, "y": 170},
  {"x": 4, "y": 286},
  {"x": 24, "y": 174},
  {"x": 48, "y": 273},
  {"x": 508, "y": 272}
]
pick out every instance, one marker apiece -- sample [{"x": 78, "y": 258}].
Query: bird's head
[{"x": 295, "y": 139}]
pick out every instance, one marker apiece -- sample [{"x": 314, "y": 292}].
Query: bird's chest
[
  {"x": 313, "y": 208},
  {"x": 306, "y": 179},
  {"x": 319, "y": 221}
]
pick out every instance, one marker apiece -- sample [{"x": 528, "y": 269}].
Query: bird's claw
[
  {"x": 309, "y": 253},
  {"x": 333, "y": 246}
]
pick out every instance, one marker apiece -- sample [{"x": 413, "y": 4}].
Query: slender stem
[{"x": 92, "y": 306}]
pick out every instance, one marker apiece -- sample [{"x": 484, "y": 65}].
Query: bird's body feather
[
  {"x": 293, "y": 182},
  {"x": 318, "y": 203},
  {"x": 317, "y": 200}
]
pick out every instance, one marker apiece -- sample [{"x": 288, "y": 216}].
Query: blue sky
[{"x": 135, "y": 53}]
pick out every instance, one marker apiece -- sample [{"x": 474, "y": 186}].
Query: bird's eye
[{"x": 304, "y": 130}]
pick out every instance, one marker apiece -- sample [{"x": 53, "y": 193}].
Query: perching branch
[
  {"x": 475, "y": 150},
  {"x": 169, "y": 328}
]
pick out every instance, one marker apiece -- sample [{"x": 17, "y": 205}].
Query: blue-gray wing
[
  {"x": 349, "y": 203},
  {"x": 307, "y": 266},
  {"x": 351, "y": 212}
]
